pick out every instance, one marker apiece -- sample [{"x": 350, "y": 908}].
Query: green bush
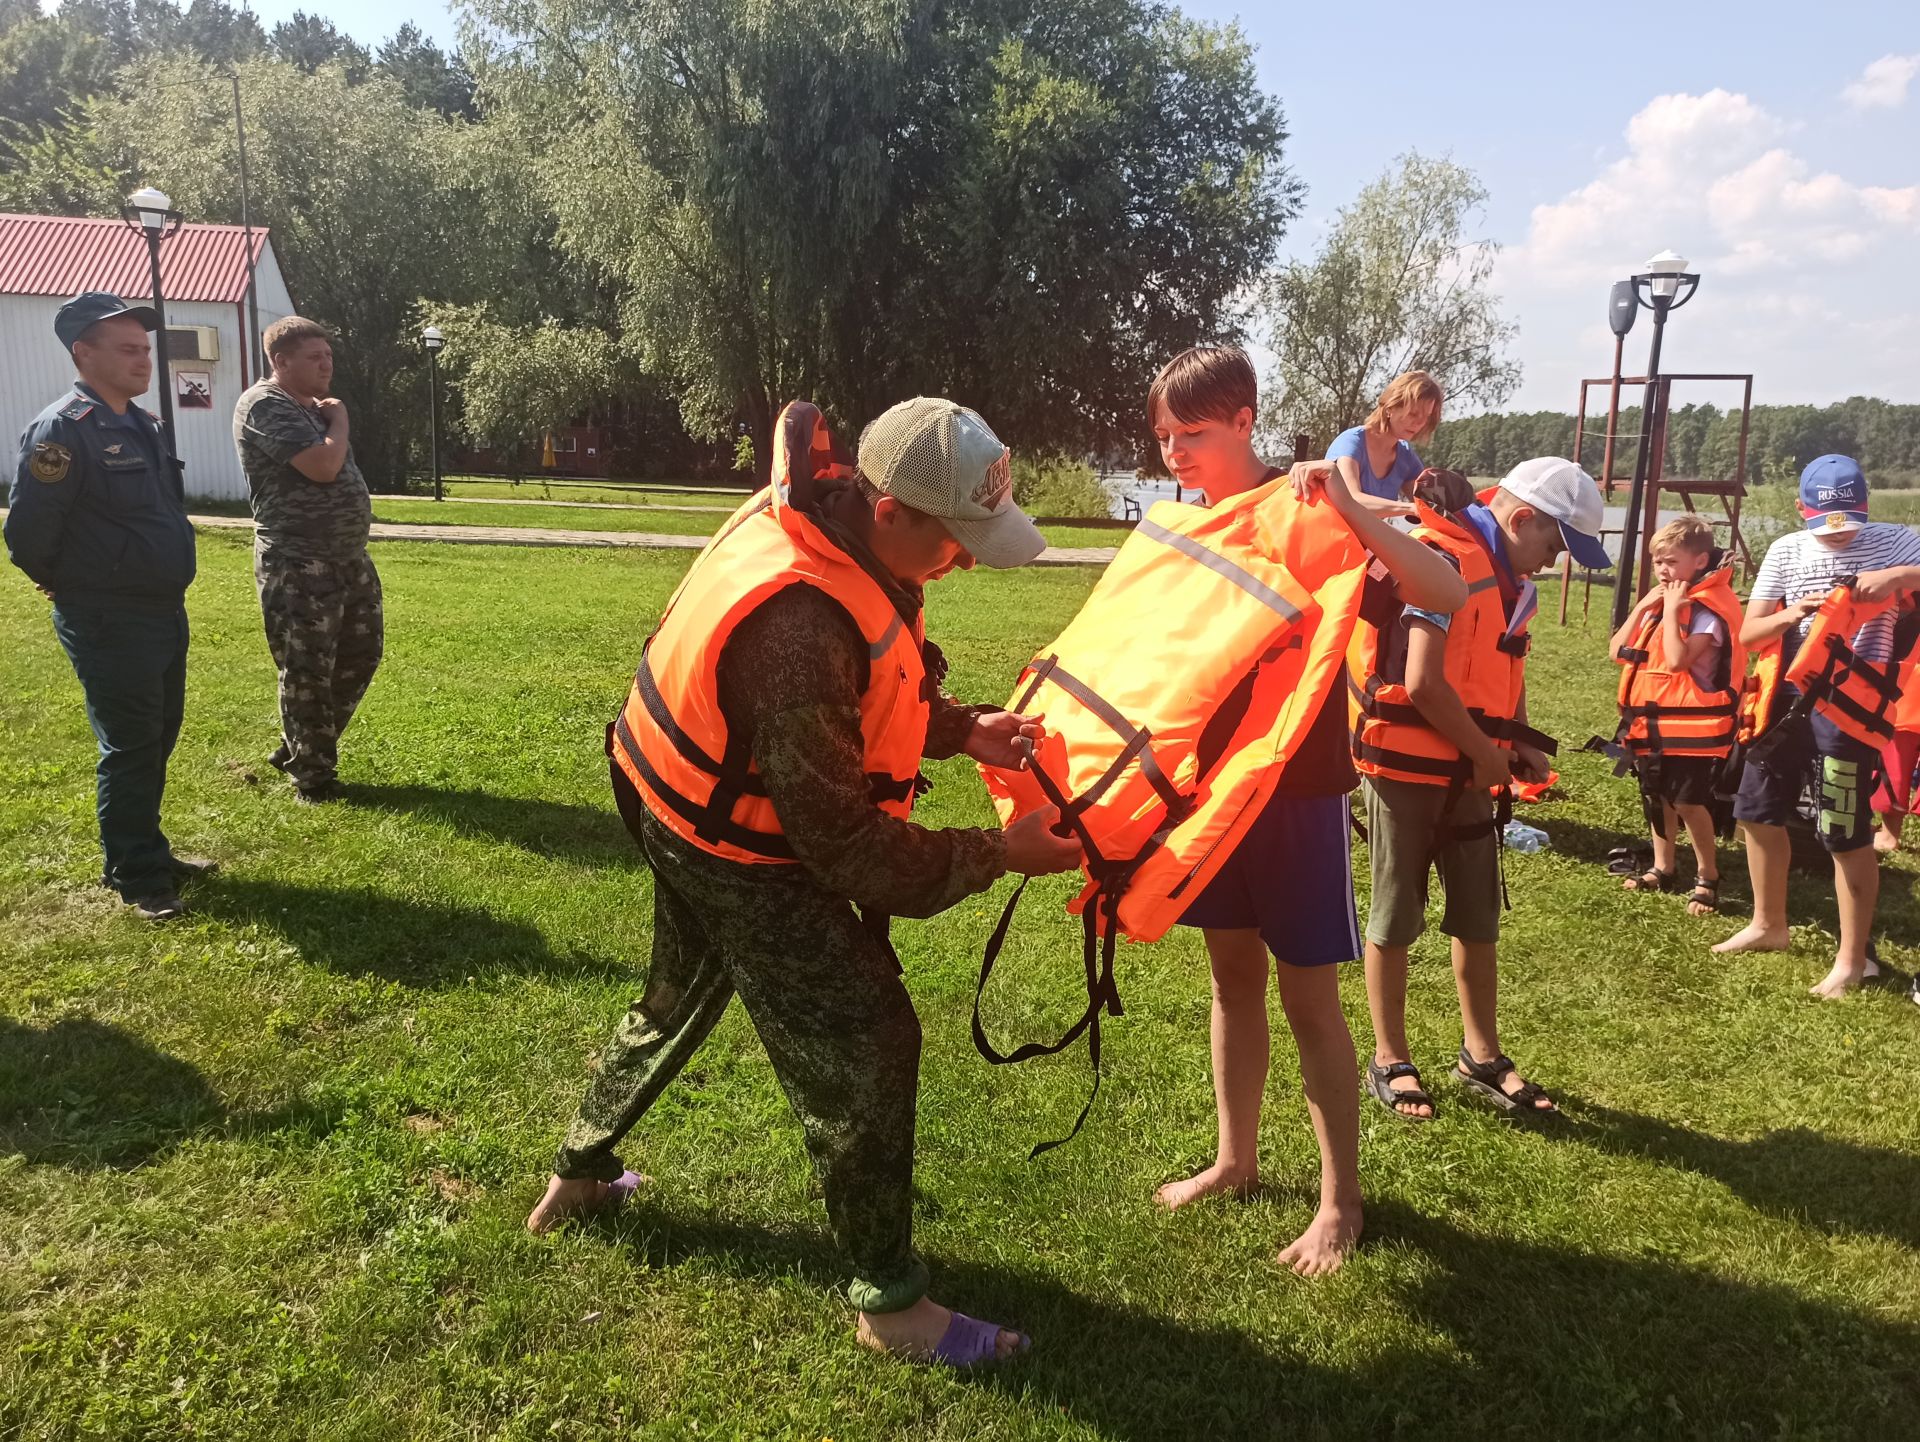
[{"x": 1059, "y": 486}]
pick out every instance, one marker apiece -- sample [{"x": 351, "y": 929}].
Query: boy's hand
[
  {"x": 1493, "y": 769},
  {"x": 1873, "y": 587},
  {"x": 1308, "y": 476},
  {"x": 1672, "y": 592},
  {"x": 1806, "y": 606},
  {"x": 1654, "y": 600},
  {"x": 1529, "y": 763}
]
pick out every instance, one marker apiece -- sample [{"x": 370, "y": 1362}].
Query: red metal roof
[{"x": 64, "y": 255}]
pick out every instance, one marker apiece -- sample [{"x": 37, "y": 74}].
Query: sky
[{"x": 1776, "y": 146}]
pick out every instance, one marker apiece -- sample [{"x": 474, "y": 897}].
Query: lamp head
[
  {"x": 431, "y": 338},
  {"x": 151, "y": 207},
  {"x": 1665, "y": 271}
]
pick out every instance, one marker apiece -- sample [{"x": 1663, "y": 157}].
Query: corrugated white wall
[{"x": 35, "y": 369}]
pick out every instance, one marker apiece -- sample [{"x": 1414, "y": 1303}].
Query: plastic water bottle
[{"x": 1521, "y": 837}]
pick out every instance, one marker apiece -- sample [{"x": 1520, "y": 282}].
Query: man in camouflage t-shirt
[{"x": 319, "y": 592}]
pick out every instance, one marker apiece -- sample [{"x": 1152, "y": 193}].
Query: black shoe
[
  {"x": 320, "y": 793},
  {"x": 191, "y": 868},
  {"x": 161, "y": 906},
  {"x": 280, "y": 757}
]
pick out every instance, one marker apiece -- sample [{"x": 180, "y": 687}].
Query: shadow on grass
[
  {"x": 546, "y": 828},
  {"x": 1535, "y": 1341},
  {"x": 83, "y": 1093},
  {"x": 1795, "y": 1173},
  {"x": 369, "y": 933}
]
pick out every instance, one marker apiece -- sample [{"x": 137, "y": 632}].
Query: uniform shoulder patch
[
  {"x": 77, "y": 409},
  {"x": 49, "y": 462}
]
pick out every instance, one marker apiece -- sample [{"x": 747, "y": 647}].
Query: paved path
[
  {"x": 570, "y": 505},
  {"x": 634, "y": 540}
]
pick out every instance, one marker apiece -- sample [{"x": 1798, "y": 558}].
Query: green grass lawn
[
  {"x": 262, "y": 1172},
  {"x": 536, "y": 489}
]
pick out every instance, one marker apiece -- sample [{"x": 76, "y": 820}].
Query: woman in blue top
[{"x": 1379, "y": 465}]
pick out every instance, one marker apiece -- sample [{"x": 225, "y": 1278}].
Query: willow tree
[
  {"x": 1021, "y": 205},
  {"x": 1397, "y": 285}
]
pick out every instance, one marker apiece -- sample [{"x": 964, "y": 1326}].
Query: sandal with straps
[
  {"x": 1485, "y": 1077},
  {"x": 1706, "y": 896},
  {"x": 1652, "y": 879},
  {"x": 1379, "y": 1083}
]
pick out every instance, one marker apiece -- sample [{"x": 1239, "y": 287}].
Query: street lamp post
[
  {"x": 1665, "y": 286},
  {"x": 150, "y": 212},
  {"x": 433, "y": 340}
]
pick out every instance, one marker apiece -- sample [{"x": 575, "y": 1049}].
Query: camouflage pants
[
  {"x": 830, "y": 1009},
  {"x": 326, "y": 629}
]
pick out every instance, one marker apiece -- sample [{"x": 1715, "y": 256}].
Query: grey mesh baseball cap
[{"x": 943, "y": 460}]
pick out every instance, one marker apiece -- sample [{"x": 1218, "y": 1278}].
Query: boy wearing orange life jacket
[
  {"x": 1439, "y": 713},
  {"x": 1287, "y": 887},
  {"x": 1679, "y": 700},
  {"x": 1823, "y": 742}
]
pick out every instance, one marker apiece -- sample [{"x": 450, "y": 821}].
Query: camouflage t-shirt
[{"x": 292, "y": 515}]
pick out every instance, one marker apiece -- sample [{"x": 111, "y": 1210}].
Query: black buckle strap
[
  {"x": 706, "y": 824},
  {"x": 690, "y": 750}
]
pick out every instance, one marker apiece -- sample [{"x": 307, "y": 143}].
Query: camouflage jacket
[{"x": 293, "y": 516}]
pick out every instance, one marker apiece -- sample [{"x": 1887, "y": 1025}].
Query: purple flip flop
[
  {"x": 969, "y": 1342},
  {"x": 618, "y": 1192}
]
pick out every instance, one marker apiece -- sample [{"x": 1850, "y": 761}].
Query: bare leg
[
  {"x": 1886, "y": 840},
  {"x": 1476, "y": 974},
  {"x": 1706, "y": 861},
  {"x": 1240, "y": 1058},
  {"x": 1311, "y": 998},
  {"x": 1856, "y": 884},
  {"x": 1387, "y": 1004},
  {"x": 1769, "y": 851}
]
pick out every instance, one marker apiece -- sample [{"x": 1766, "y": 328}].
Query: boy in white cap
[
  {"x": 765, "y": 763},
  {"x": 1799, "y": 571},
  {"x": 1439, "y": 728}
]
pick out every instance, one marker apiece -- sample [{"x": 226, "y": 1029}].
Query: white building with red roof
[{"x": 47, "y": 259}]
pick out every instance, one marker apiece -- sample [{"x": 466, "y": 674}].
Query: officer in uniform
[{"x": 97, "y": 519}]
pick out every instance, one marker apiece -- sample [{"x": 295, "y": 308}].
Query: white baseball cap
[
  {"x": 945, "y": 462},
  {"x": 1560, "y": 489}
]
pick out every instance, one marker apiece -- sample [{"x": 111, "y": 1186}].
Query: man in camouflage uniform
[
  {"x": 819, "y": 982},
  {"x": 319, "y": 592}
]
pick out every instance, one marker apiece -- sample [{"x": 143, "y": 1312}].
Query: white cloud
[
  {"x": 1789, "y": 253},
  {"x": 1883, "y": 84}
]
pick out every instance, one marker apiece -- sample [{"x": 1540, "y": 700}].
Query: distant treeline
[{"x": 1702, "y": 441}]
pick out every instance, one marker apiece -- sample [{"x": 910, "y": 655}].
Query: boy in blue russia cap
[
  {"x": 97, "y": 519},
  {"x": 1800, "y": 569}
]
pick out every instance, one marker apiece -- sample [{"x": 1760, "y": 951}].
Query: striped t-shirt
[{"x": 1801, "y": 564}]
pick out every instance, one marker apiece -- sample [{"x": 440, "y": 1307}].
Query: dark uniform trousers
[
  {"x": 829, "y": 1006},
  {"x": 326, "y": 628},
  {"x": 132, "y": 665}
]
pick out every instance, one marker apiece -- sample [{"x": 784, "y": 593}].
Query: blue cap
[
  {"x": 93, "y": 306},
  {"x": 1833, "y": 494}
]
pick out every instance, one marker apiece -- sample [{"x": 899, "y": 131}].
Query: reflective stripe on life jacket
[
  {"x": 671, "y": 739},
  {"x": 1663, "y": 709},
  {"x": 1484, "y": 665},
  {"x": 1855, "y": 694}
]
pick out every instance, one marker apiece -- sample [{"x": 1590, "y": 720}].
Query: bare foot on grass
[
  {"x": 567, "y": 1199},
  {"x": 1845, "y": 978},
  {"x": 1328, "y": 1240},
  {"x": 1215, "y": 1179},
  {"x": 914, "y": 1333},
  {"x": 1755, "y": 937}
]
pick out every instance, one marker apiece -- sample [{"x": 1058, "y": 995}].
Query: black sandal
[
  {"x": 1706, "y": 896},
  {"x": 1379, "y": 1082},
  {"x": 1652, "y": 879},
  {"x": 1485, "y": 1077}
]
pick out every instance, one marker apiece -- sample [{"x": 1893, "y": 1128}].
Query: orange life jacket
[
  {"x": 1485, "y": 666},
  {"x": 1663, "y": 709},
  {"x": 1197, "y": 599},
  {"x": 1760, "y": 694},
  {"x": 1906, "y": 711},
  {"x": 694, "y": 773},
  {"x": 1855, "y": 694}
]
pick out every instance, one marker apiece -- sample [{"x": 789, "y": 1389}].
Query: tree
[
  {"x": 1395, "y": 287},
  {"x": 1020, "y": 205},
  {"x": 373, "y": 206},
  {"x": 517, "y": 382},
  {"x": 426, "y": 74},
  {"x": 309, "y": 42}
]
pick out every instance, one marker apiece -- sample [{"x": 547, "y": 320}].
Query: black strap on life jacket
[
  {"x": 1840, "y": 662},
  {"x": 1111, "y": 877}
]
